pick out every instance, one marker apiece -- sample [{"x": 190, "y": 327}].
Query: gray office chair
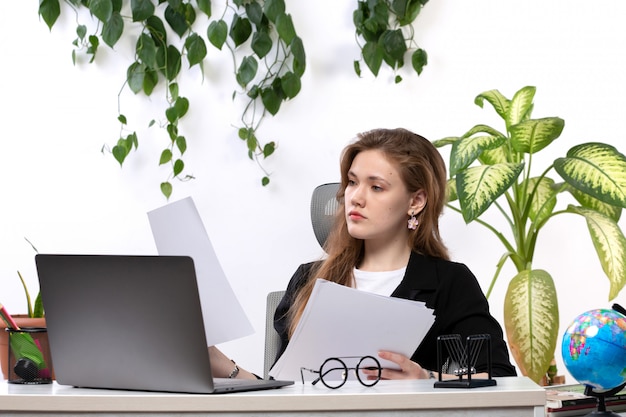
[{"x": 323, "y": 208}]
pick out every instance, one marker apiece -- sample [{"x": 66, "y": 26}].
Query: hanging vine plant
[
  {"x": 253, "y": 31},
  {"x": 384, "y": 32}
]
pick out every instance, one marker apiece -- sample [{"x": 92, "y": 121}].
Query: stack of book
[{"x": 570, "y": 401}]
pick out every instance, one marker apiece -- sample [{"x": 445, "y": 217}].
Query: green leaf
[
  {"x": 157, "y": 30},
  {"x": 141, "y": 9},
  {"x": 419, "y": 59},
  {"x": 179, "y": 165},
  {"x": 610, "y": 244},
  {"x": 290, "y": 84},
  {"x": 531, "y": 313},
  {"x": 531, "y": 136},
  {"x": 393, "y": 44},
  {"x": 205, "y": 6},
  {"x": 135, "y": 76},
  {"x": 299, "y": 56},
  {"x": 521, "y": 105},
  {"x": 146, "y": 50},
  {"x": 81, "y": 31},
  {"x": 273, "y": 9},
  {"x": 112, "y": 29},
  {"x": 254, "y": 11},
  {"x": 173, "y": 87},
  {"x": 597, "y": 169},
  {"x": 176, "y": 20},
  {"x": 217, "y": 32},
  {"x": 252, "y": 143},
  {"x": 357, "y": 68},
  {"x": 38, "y": 308},
  {"x": 173, "y": 62},
  {"x": 247, "y": 70},
  {"x": 119, "y": 153},
  {"x": 166, "y": 156},
  {"x": 102, "y": 9},
  {"x": 122, "y": 119},
  {"x": 171, "y": 115},
  {"x": 265, "y": 181},
  {"x": 240, "y": 30},
  {"x": 181, "y": 105},
  {"x": 285, "y": 29},
  {"x": 270, "y": 100},
  {"x": 261, "y": 43},
  {"x": 49, "y": 10},
  {"x": 500, "y": 103},
  {"x": 478, "y": 187},
  {"x": 93, "y": 47},
  {"x": 466, "y": 150},
  {"x": 166, "y": 189},
  {"x": 150, "y": 80},
  {"x": 269, "y": 149},
  {"x": 593, "y": 203},
  {"x": 196, "y": 49},
  {"x": 373, "y": 57},
  {"x": 543, "y": 199},
  {"x": 181, "y": 144}
]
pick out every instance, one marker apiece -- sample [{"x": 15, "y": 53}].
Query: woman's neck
[{"x": 388, "y": 257}]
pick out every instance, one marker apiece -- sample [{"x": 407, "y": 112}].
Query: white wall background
[{"x": 60, "y": 192}]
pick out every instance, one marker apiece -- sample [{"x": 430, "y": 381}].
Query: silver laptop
[{"x": 129, "y": 322}]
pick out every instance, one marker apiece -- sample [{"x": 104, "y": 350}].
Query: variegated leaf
[
  {"x": 440, "y": 143},
  {"x": 521, "y": 106},
  {"x": 533, "y": 135},
  {"x": 478, "y": 187},
  {"x": 451, "y": 189},
  {"x": 466, "y": 150},
  {"x": 610, "y": 244},
  {"x": 496, "y": 99},
  {"x": 531, "y": 315},
  {"x": 597, "y": 169},
  {"x": 499, "y": 155},
  {"x": 483, "y": 129},
  {"x": 543, "y": 200},
  {"x": 593, "y": 203}
]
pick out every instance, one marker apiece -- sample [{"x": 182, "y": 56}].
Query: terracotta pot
[{"x": 21, "y": 321}]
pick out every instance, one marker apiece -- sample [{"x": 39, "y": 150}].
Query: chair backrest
[
  {"x": 272, "y": 340},
  {"x": 323, "y": 207}
]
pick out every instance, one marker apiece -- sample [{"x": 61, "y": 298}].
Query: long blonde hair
[{"x": 421, "y": 167}]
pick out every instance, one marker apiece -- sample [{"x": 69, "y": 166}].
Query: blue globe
[{"x": 594, "y": 348}]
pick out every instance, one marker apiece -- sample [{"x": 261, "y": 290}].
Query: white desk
[{"x": 511, "y": 397}]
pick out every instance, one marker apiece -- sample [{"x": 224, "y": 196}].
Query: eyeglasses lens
[
  {"x": 333, "y": 373},
  {"x": 368, "y": 363}
]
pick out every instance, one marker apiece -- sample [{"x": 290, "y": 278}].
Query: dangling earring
[{"x": 413, "y": 223}]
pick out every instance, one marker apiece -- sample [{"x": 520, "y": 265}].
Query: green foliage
[
  {"x": 268, "y": 56},
  {"x": 385, "y": 34},
  {"x": 36, "y": 310},
  {"x": 489, "y": 168}
]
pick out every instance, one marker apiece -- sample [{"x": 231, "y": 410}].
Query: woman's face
[{"x": 377, "y": 203}]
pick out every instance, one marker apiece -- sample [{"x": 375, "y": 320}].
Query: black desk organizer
[{"x": 462, "y": 359}]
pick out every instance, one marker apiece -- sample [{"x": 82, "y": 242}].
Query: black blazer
[{"x": 450, "y": 289}]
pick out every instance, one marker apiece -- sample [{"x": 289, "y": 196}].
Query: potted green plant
[
  {"x": 34, "y": 317},
  {"x": 489, "y": 167}
]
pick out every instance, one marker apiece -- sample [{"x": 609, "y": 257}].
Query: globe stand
[{"x": 601, "y": 400}]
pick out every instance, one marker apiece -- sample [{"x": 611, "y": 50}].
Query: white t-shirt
[{"x": 382, "y": 283}]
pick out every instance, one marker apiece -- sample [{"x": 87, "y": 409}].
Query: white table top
[{"x": 386, "y": 395}]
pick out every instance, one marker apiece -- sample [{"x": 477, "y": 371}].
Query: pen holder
[{"x": 29, "y": 356}]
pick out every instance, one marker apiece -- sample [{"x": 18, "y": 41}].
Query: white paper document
[
  {"x": 178, "y": 230},
  {"x": 342, "y": 321}
]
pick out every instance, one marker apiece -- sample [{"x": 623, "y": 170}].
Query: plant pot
[{"x": 23, "y": 322}]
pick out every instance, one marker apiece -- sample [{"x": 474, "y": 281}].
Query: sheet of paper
[
  {"x": 343, "y": 321},
  {"x": 178, "y": 230}
]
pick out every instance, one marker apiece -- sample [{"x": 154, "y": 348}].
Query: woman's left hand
[{"x": 408, "y": 368}]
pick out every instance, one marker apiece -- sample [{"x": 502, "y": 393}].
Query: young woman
[{"x": 386, "y": 240}]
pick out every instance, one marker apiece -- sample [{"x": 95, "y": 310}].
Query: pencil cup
[{"x": 29, "y": 356}]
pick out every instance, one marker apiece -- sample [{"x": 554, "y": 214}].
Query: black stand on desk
[
  {"x": 601, "y": 410},
  {"x": 463, "y": 359}
]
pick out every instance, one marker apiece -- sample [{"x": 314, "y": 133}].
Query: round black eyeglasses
[{"x": 334, "y": 372}]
